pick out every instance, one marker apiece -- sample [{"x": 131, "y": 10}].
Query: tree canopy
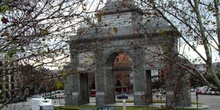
[{"x": 197, "y": 21}]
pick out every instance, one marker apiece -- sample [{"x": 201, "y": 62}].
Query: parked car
[
  {"x": 207, "y": 91},
  {"x": 212, "y": 91},
  {"x": 122, "y": 96},
  {"x": 37, "y": 96},
  {"x": 201, "y": 90},
  {"x": 17, "y": 99},
  {"x": 192, "y": 90},
  {"x": 217, "y": 93},
  {"x": 92, "y": 93}
]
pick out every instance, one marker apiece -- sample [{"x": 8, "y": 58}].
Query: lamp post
[
  {"x": 124, "y": 104},
  {"x": 197, "y": 100}
]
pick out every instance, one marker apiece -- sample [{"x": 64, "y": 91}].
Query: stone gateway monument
[{"x": 123, "y": 28}]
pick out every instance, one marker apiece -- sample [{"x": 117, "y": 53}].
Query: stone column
[
  {"x": 100, "y": 78},
  {"x": 76, "y": 89},
  {"x": 177, "y": 87},
  {"x": 139, "y": 77},
  {"x": 177, "y": 78},
  {"x": 110, "y": 86},
  {"x": 68, "y": 86},
  {"x": 75, "y": 92},
  {"x": 71, "y": 82}
]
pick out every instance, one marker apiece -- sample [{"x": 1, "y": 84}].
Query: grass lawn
[
  {"x": 117, "y": 108},
  {"x": 121, "y": 108}
]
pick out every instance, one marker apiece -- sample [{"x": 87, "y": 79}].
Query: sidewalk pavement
[{"x": 194, "y": 106}]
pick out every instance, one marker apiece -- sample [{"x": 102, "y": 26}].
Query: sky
[{"x": 194, "y": 57}]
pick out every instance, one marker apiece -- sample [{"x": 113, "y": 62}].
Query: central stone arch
[
  {"x": 76, "y": 85},
  {"x": 105, "y": 93},
  {"x": 121, "y": 29}
]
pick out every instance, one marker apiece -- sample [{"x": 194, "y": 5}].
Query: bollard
[{"x": 124, "y": 104}]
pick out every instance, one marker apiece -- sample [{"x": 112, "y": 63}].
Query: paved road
[
  {"x": 212, "y": 101},
  {"x": 18, "y": 106}
]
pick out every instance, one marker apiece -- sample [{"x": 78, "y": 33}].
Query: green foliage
[
  {"x": 11, "y": 53},
  {"x": 63, "y": 73},
  {"x": 59, "y": 85},
  {"x": 4, "y": 8},
  {"x": 115, "y": 29},
  {"x": 44, "y": 32},
  {"x": 118, "y": 108},
  {"x": 99, "y": 15},
  {"x": 121, "y": 108},
  {"x": 7, "y": 1}
]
